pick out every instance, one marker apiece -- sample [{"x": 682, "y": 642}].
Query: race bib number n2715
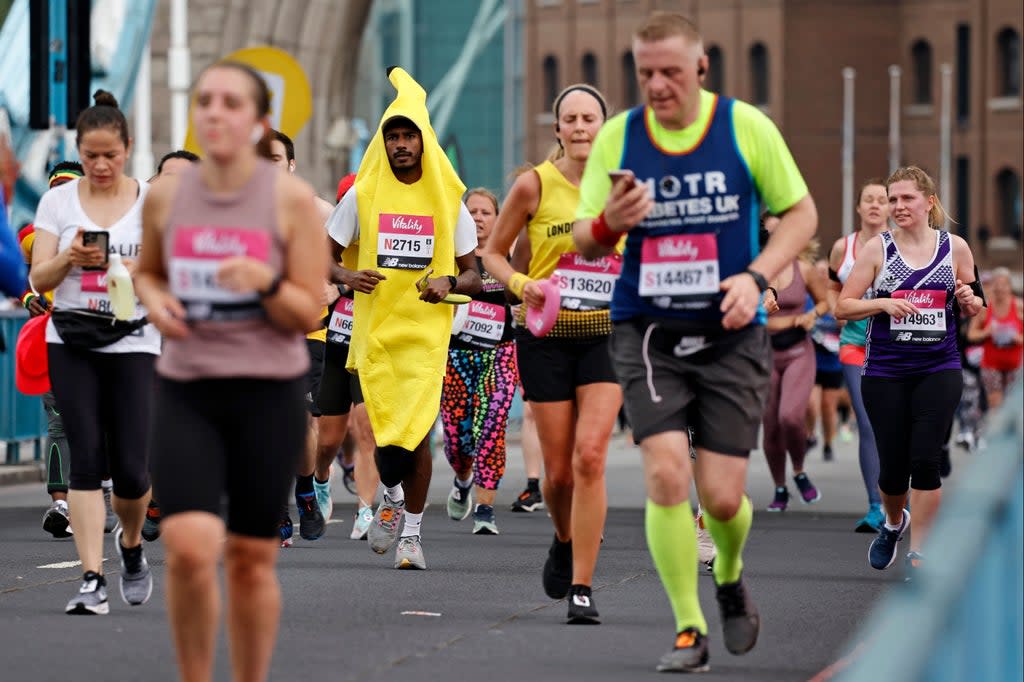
[{"x": 405, "y": 242}]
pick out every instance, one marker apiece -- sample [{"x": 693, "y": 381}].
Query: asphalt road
[{"x": 347, "y": 612}]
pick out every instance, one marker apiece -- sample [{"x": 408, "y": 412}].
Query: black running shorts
[{"x": 552, "y": 368}]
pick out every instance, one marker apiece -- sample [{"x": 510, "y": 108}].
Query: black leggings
[
  {"x": 236, "y": 437},
  {"x": 911, "y": 417},
  {"x": 104, "y": 400}
]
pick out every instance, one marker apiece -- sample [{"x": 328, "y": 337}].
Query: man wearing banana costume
[{"x": 413, "y": 231}]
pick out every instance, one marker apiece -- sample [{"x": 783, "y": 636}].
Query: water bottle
[{"x": 120, "y": 289}]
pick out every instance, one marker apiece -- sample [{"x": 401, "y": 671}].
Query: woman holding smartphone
[{"x": 101, "y": 370}]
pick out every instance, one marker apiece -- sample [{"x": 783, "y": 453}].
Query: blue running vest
[{"x": 706, "y": 194}]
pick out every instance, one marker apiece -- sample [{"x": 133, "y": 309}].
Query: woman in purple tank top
[
  {"x": 233, "y": 261},
  {"x": 912, "y": 375}
]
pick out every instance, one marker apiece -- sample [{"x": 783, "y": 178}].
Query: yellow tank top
[
  {"x": 350, "y": 260},
  {"x": 550, "y": 229}
]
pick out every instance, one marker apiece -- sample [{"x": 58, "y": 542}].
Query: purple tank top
[
  {"x": 922, "y": 343},
  {"x": 230, "y": 335}
]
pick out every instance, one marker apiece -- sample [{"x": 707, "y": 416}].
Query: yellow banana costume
[{"x": 399, "y": 343}]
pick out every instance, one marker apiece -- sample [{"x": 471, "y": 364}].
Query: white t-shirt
[
  {"x": 60, "y": 213},
  {"x": 343, "y": 225}
]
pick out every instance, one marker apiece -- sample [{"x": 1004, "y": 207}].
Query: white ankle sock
[
  {"x": 464, "y": 483},
  {"x": 412, "y": 524},
  {"x": 396, "y": 494}
]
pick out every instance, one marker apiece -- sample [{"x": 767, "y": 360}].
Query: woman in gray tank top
[{"x": 233, "y": 264}]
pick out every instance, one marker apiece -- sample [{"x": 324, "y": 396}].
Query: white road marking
[
  {"x": 421, "y": 613},
  {"x": 62, "y": 564}
]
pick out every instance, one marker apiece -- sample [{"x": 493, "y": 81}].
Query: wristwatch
[
  {"x": 275, "y": 284},
  {"x": 759, "y": 280},
  {"x": 453, "y": 282}
]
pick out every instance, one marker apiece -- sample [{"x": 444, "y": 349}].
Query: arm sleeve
[
  {"x": 343, "y": 223},
  {"x": 465, "y": 232},
  {"x": 771, "y": 164},
  {"x": 12, "y": 265}
]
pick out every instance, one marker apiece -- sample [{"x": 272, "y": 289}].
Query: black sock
[
  {"x": 533, "y": 485},
  {"x": 322, "y": 482},
  {"x": 844, "y": 414},
  {"x": 304, "y": 485}
]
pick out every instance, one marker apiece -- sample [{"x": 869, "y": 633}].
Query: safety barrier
[{"x": 21, "y": 417}]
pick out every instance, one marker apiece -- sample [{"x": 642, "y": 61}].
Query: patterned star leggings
[{"x": 478, "y": 389}]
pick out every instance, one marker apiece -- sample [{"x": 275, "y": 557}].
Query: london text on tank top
[
  {"x": 916, "y": 344},
  {"x": 230, "y": 335},
  {"x": 702, "y": 229}
]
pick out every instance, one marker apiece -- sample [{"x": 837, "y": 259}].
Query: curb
[{"x": 13, "y": 474}]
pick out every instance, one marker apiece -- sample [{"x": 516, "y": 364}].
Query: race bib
[
  {"x": 405, "y": 242},
  {"x": 94, "y": 292},
  {"x": 1003, "y": 334},
  {"x": 928, "y": 325},
  {"x": 196, "y": 255},
  {"x": 587, "y": 284},
  {"x": 339, "y": 328},
  {"x": 678, "y": 268},
  {"x": 484, "y": 325}
]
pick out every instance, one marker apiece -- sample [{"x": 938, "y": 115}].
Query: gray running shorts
[{"x": 716, "y": 386}]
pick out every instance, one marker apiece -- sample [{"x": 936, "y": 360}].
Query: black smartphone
[{"x": 101, "y": 239}]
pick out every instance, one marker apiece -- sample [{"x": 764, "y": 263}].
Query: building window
[
  {"x": 921, "y": 55},
  {"x": 1008, "y": 63},
  {"x": 551, "y": 79},
  {"x": 1008, "y": 190},
  {"x": 630, "y": 91},
  {"x": 715, "y": 80},
  {"x": 589, "y": 67},
  {"x": 963, "y": 73},
  {"x": 759, "y": 74}
]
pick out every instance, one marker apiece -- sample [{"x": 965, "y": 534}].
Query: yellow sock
[
  {"x": 730, "y": 537},
  {"x": 672, "y": 540}
]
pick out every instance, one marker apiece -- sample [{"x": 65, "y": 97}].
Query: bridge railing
[{"x": 962, "y": 618}]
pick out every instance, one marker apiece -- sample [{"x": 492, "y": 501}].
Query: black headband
[{"x": 582, "y": 88}]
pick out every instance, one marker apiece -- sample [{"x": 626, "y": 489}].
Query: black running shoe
[
  {"x": 528, "y": 501},
  {"x": 311, "y": 520},
  {"x": 557, "y": 574},
  {"x": 581, "y": 606},
  {"x": 689, "y": 655},
  {"x": 740, "y": 620}
]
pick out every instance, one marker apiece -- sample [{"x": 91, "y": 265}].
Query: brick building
[{"x": 787, "y": 57}]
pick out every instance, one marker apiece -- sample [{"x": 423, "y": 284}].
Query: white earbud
[{"x": 257, "y": 134}]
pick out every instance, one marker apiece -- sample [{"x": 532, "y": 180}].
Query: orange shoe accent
[
  {"x": 386, "y": 515},
  {"x": 686, "y": 639}
]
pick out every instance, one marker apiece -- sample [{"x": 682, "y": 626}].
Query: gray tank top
[{"x": 230, "y": 334}]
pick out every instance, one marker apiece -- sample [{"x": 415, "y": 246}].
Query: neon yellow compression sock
[
  {"x": 730, "y": 537},
  {"x": 672, "y": 540}
]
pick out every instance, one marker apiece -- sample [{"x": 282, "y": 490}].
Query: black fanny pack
[
  {"x": 787, "y": 338},
  {"x": 86, "y": 329}
]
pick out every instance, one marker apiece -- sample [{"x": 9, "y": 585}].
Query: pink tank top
[{"x": 230, "y": 334}]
